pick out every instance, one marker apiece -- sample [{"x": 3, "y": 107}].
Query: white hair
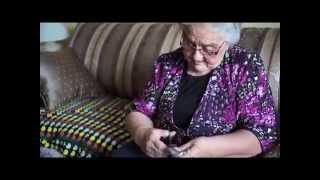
[{"x": 231, "y": 31}]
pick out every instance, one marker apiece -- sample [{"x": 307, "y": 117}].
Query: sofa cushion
[{"x": 63, "y": 77}]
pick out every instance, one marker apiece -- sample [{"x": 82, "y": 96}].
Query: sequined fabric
[{"x": 238, "y": 96}]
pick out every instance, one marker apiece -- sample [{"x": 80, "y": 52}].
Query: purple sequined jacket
[{"x": 238, "y": 96}]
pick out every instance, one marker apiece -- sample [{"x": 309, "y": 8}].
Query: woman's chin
[{"x": 200, "y": 69}]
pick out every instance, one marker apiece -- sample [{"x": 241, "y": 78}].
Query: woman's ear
[
  {"x": 221, "y": 53},
  {"x": 223, "y": 49},
  {"x": 218, "y": 59}
]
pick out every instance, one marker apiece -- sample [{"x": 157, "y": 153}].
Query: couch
[{"x": 86, "y": 89}]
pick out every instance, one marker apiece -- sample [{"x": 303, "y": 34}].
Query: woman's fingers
[
  {"x": 161, "y": 149},
  {"x": 187, "y": 151},
  {"x": 156, "y": 148},
  {"x": 184, "y": 147},
  {"x": 162, "y": 133},
  {"x": 152, "y": 150},
  {"x": 159, "y": 145},
  {"x": 172, "y": 133}
]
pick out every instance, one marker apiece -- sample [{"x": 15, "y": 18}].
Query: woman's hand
[
  {"x": 148, "y": 139},
  {"x": 194, "y": 148}
]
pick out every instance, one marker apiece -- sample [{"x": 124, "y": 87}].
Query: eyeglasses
[{"x": 207, "y": 51}]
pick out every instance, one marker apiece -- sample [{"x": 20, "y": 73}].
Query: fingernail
[{"x": 181, "y": 153}]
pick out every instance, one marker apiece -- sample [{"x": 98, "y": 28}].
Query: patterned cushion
[
  {"x": 86, "y": 127},
  {"x": 63, "y": 77}
]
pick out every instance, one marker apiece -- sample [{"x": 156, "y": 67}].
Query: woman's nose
[{"x": 197, "y": 56}]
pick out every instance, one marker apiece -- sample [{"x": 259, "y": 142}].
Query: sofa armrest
[{"x": 63, "y": 77}]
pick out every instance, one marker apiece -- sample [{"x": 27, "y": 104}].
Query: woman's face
[{"x": 203, "y": 49}]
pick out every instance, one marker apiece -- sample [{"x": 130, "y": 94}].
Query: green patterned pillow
[{"x": 89, "y": 127}]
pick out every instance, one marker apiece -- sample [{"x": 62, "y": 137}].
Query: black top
[{"x": 190, "y": 93}]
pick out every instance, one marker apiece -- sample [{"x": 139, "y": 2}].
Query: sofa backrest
[{"x": 121, "y": 55}]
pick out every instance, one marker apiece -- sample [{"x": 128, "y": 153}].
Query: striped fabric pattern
[
  {"x": 86, "y": 127},
  {"x": 121, "y": 55}
]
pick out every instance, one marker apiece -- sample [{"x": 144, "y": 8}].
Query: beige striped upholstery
[{"x": 120, "y": 55}]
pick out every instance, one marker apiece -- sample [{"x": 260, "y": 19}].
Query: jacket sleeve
[
  {"x": 147, "y": 101},
  {"x": 256, "y": 111}
]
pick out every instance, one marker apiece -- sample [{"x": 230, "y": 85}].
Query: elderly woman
[{"x": 209, "y": 98}]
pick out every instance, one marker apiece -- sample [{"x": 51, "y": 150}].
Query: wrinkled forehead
[{"x": 202, "y": 32}]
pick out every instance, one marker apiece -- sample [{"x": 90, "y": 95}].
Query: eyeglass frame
[{"x": 201, "y": 49}]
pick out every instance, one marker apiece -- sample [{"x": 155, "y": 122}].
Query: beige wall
[{"x": 260, "y": 25}]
